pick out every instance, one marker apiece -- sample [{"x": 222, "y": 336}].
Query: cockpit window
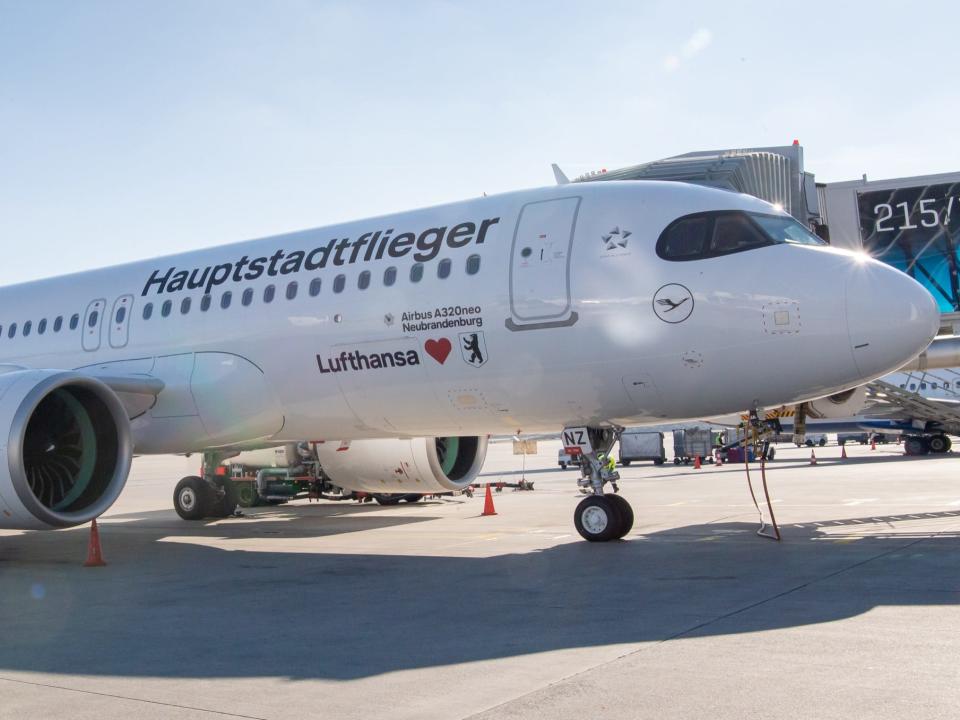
[
  {"x": 784, "y": 229},
  {"x": 712, "y": 234},
  {"x": 685, "y": 239},
  {"x": 733, "y": 232}
]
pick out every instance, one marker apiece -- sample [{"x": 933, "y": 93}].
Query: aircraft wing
[{"x": 892, "y": 401}]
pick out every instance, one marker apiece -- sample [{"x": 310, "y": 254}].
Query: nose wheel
[{"x": 600, "y": 518}]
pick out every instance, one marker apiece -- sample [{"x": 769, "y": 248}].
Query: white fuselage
[{"x": 556, "y": 323}]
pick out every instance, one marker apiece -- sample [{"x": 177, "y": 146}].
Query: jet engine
[
  {"x": 67, "y": 449},
  {"x": 841, "y": 404},
  {"x": 413, "y": 465}
]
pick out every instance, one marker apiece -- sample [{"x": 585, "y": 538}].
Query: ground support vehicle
[
  {"x": 690, "y": 443},
  {"x": 565, "y": 460},
  {"x": 638, "y": 444}
]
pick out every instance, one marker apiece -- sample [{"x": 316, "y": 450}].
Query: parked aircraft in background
[{"x": 404, "y": 340}]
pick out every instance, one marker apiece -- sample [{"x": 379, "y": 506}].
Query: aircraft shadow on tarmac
[
  {"x": 182, "y": 609},
  {"x": 289, "y": 521}
]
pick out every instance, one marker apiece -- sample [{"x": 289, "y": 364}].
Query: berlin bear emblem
[{"x": 473, "y": 348}]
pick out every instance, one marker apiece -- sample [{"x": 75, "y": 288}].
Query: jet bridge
[{"x": 774, "y": 174}]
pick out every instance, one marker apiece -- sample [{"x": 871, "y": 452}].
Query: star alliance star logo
[{"x": 616, "y": 238}]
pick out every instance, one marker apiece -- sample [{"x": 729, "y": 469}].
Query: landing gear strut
[
  {"x": 213, "y": 496},
  {"x": 599, "y": 517}
]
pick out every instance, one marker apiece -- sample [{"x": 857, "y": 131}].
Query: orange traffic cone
[
  {"x": 94, "y": 554},
  {"x": 488, "y": 503},
  {"x": 813, "y": 458},
  {"x": 843, "y": 452},
  {"x": 873, "y": 443},
  {"x": 696, "y": 463}
]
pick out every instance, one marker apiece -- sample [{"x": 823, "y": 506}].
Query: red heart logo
[{"x": 438, "y": 349}]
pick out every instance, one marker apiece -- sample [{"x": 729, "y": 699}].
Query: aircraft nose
[{"x": 891, "y": 318}]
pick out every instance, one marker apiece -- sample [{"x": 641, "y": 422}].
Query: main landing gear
[
  {"x": 209, "y": 496},
  {"x": 599, "y": 517}
]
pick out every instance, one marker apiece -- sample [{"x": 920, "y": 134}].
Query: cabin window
[
  {"x": 185, "y": 306},
  {"x": 58, "y": 323},
  {"x": 42, "y": 326},
  {"x": 416, "y": 273},
  {"x": 12, "y": 330},
  {"x": 269, "y": 292},
  {"x": 339, "y": 283},
  {"x": 147, "y": 313},
  {"x": 315, "y": 287},
  {"x": 27, "y": 327},
  {"x": 93, "y": 319},
  {"x": 225, "y": 299},
  {"x": 443, "y": 269},
  {"x": 363, "y": 280},
  {"x": 166, "y": 308},
  {"x": 205, "y": 303},
  {"x": 121, "y": 314},
  {"x": 247, "y": 297},
  {"x": 74, "y": 321},
  {"x": 473, "y": 265},
  {"x": 291, "y": 290},
  {"x": 389, "y": 276}
]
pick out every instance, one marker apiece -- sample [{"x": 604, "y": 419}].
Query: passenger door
[
  {"x": 120, "y": 321},
  {"x": 92, "y": 324},
  {"x": 540, "y": 265}
]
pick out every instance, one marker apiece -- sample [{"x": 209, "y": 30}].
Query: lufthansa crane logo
[{"x": 673, "y": 303}]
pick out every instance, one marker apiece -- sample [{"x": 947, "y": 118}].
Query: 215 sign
[{"x": 921, "y": 208}]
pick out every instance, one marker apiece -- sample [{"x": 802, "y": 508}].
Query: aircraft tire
[
  {"x": 939, "y": 444},
  {"x": 223, "y": 505},
  {"x": 189, "y": 498},
  {"x": 915, "y": 446},
  {"x": 388, "y": 498},
  {"x": 597, "y": 519},
  {"x": 626, "y": 515},
  {"x": 625, "y": 463}
]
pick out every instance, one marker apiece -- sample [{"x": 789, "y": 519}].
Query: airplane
[
  {"x": 403, "y": 341},
  {"x": 920, "y": 402}
]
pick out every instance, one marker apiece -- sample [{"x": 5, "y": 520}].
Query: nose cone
[{"x": 891, "y": 318}]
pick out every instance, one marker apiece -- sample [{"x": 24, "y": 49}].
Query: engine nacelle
[
  {"x": 842, "y": 404},
  {"x": 67, "y": 449},
  {"x": 423, "y": 465}
]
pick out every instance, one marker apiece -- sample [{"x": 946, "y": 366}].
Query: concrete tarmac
[{"x": 341, "y": 610}]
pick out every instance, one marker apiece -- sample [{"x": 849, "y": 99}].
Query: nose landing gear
[{"x": 599, "y": 517}]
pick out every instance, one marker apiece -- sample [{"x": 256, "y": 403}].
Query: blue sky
[{"x": 133, "y": 129}]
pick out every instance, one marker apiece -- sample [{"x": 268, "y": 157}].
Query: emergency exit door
[
  {"x": 540, "y": 265},
  {"x": 120, "y": 321},
  {"x": 92, "y": 324}
]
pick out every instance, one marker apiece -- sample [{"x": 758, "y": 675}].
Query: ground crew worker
[{"x": 607, "y": 462}]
